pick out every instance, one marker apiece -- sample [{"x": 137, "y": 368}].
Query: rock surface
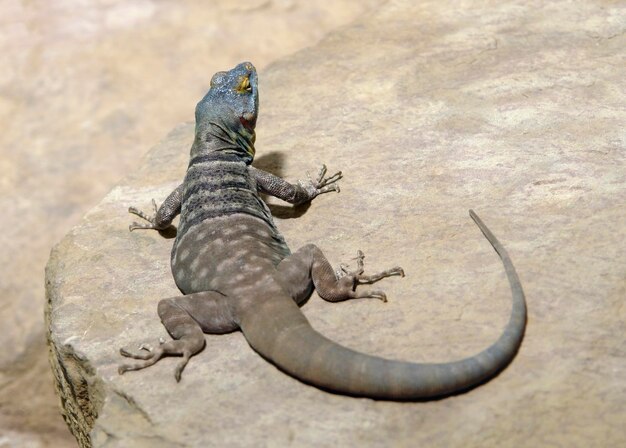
[
  {"x": 86, "y": 88},
  {"x": 515, "y": 110}
]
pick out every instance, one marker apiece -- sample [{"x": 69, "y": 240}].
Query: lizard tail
[{"x": 278, "y": 330}]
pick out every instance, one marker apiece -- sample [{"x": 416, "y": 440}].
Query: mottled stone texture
[
  {"x": 86, "y": 88},
  {"x": 515, "y": 109}
]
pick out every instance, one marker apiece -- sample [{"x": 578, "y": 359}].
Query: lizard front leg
[
  {"x": 163, "y": 216},
  {"x": 303, "y": 191}
]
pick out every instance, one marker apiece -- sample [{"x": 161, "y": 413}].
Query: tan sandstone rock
[
  {"x": 515, "y": 110},
  {"x": 86, "y": 88}
]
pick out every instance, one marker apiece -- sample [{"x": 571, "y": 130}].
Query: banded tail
[{"x": 278, "y": 330}]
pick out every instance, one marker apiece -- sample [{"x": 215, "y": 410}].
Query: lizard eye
[{"x": 244, "y": 85}]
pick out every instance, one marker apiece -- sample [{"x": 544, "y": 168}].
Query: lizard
[{"x": 236, "y": 271}]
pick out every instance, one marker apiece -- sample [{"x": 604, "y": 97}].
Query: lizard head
[{"x": 226, "y": 116}]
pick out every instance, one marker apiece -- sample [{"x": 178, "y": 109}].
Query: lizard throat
[{"x": 217, "y": 136}]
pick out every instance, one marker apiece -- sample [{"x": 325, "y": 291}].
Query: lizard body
[{"x": 236, "y": 271}]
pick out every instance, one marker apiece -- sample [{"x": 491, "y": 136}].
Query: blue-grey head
[{"x": 226, "y": 116}]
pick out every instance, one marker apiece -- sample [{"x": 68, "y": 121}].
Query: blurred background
[{"x": 86, "y": 88}]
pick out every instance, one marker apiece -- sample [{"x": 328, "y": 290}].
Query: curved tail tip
[{"x": 485, "y": 230}]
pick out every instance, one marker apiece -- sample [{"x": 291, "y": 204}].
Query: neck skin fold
[{"x": 215, "y": 135}]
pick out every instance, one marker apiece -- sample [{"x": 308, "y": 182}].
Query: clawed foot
[
  {"x": 151, "y": 219},
  {"x": 357, "y": 278},
  {"x": 321, "y": 184},
  {"x": 150, "y": 355}
]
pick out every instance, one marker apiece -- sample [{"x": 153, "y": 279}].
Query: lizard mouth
[{"x": 248, "y": 121}]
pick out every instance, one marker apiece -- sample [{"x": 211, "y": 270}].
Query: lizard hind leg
[
  {"x": 357, "y": 277},
  {"x": 186, "y": 319},
  {"x": 310, "y": 264}
]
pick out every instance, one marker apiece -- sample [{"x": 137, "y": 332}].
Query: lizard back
[
  {"x": 219, "y": 185},
  {"x": 221, "y": 213}
]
